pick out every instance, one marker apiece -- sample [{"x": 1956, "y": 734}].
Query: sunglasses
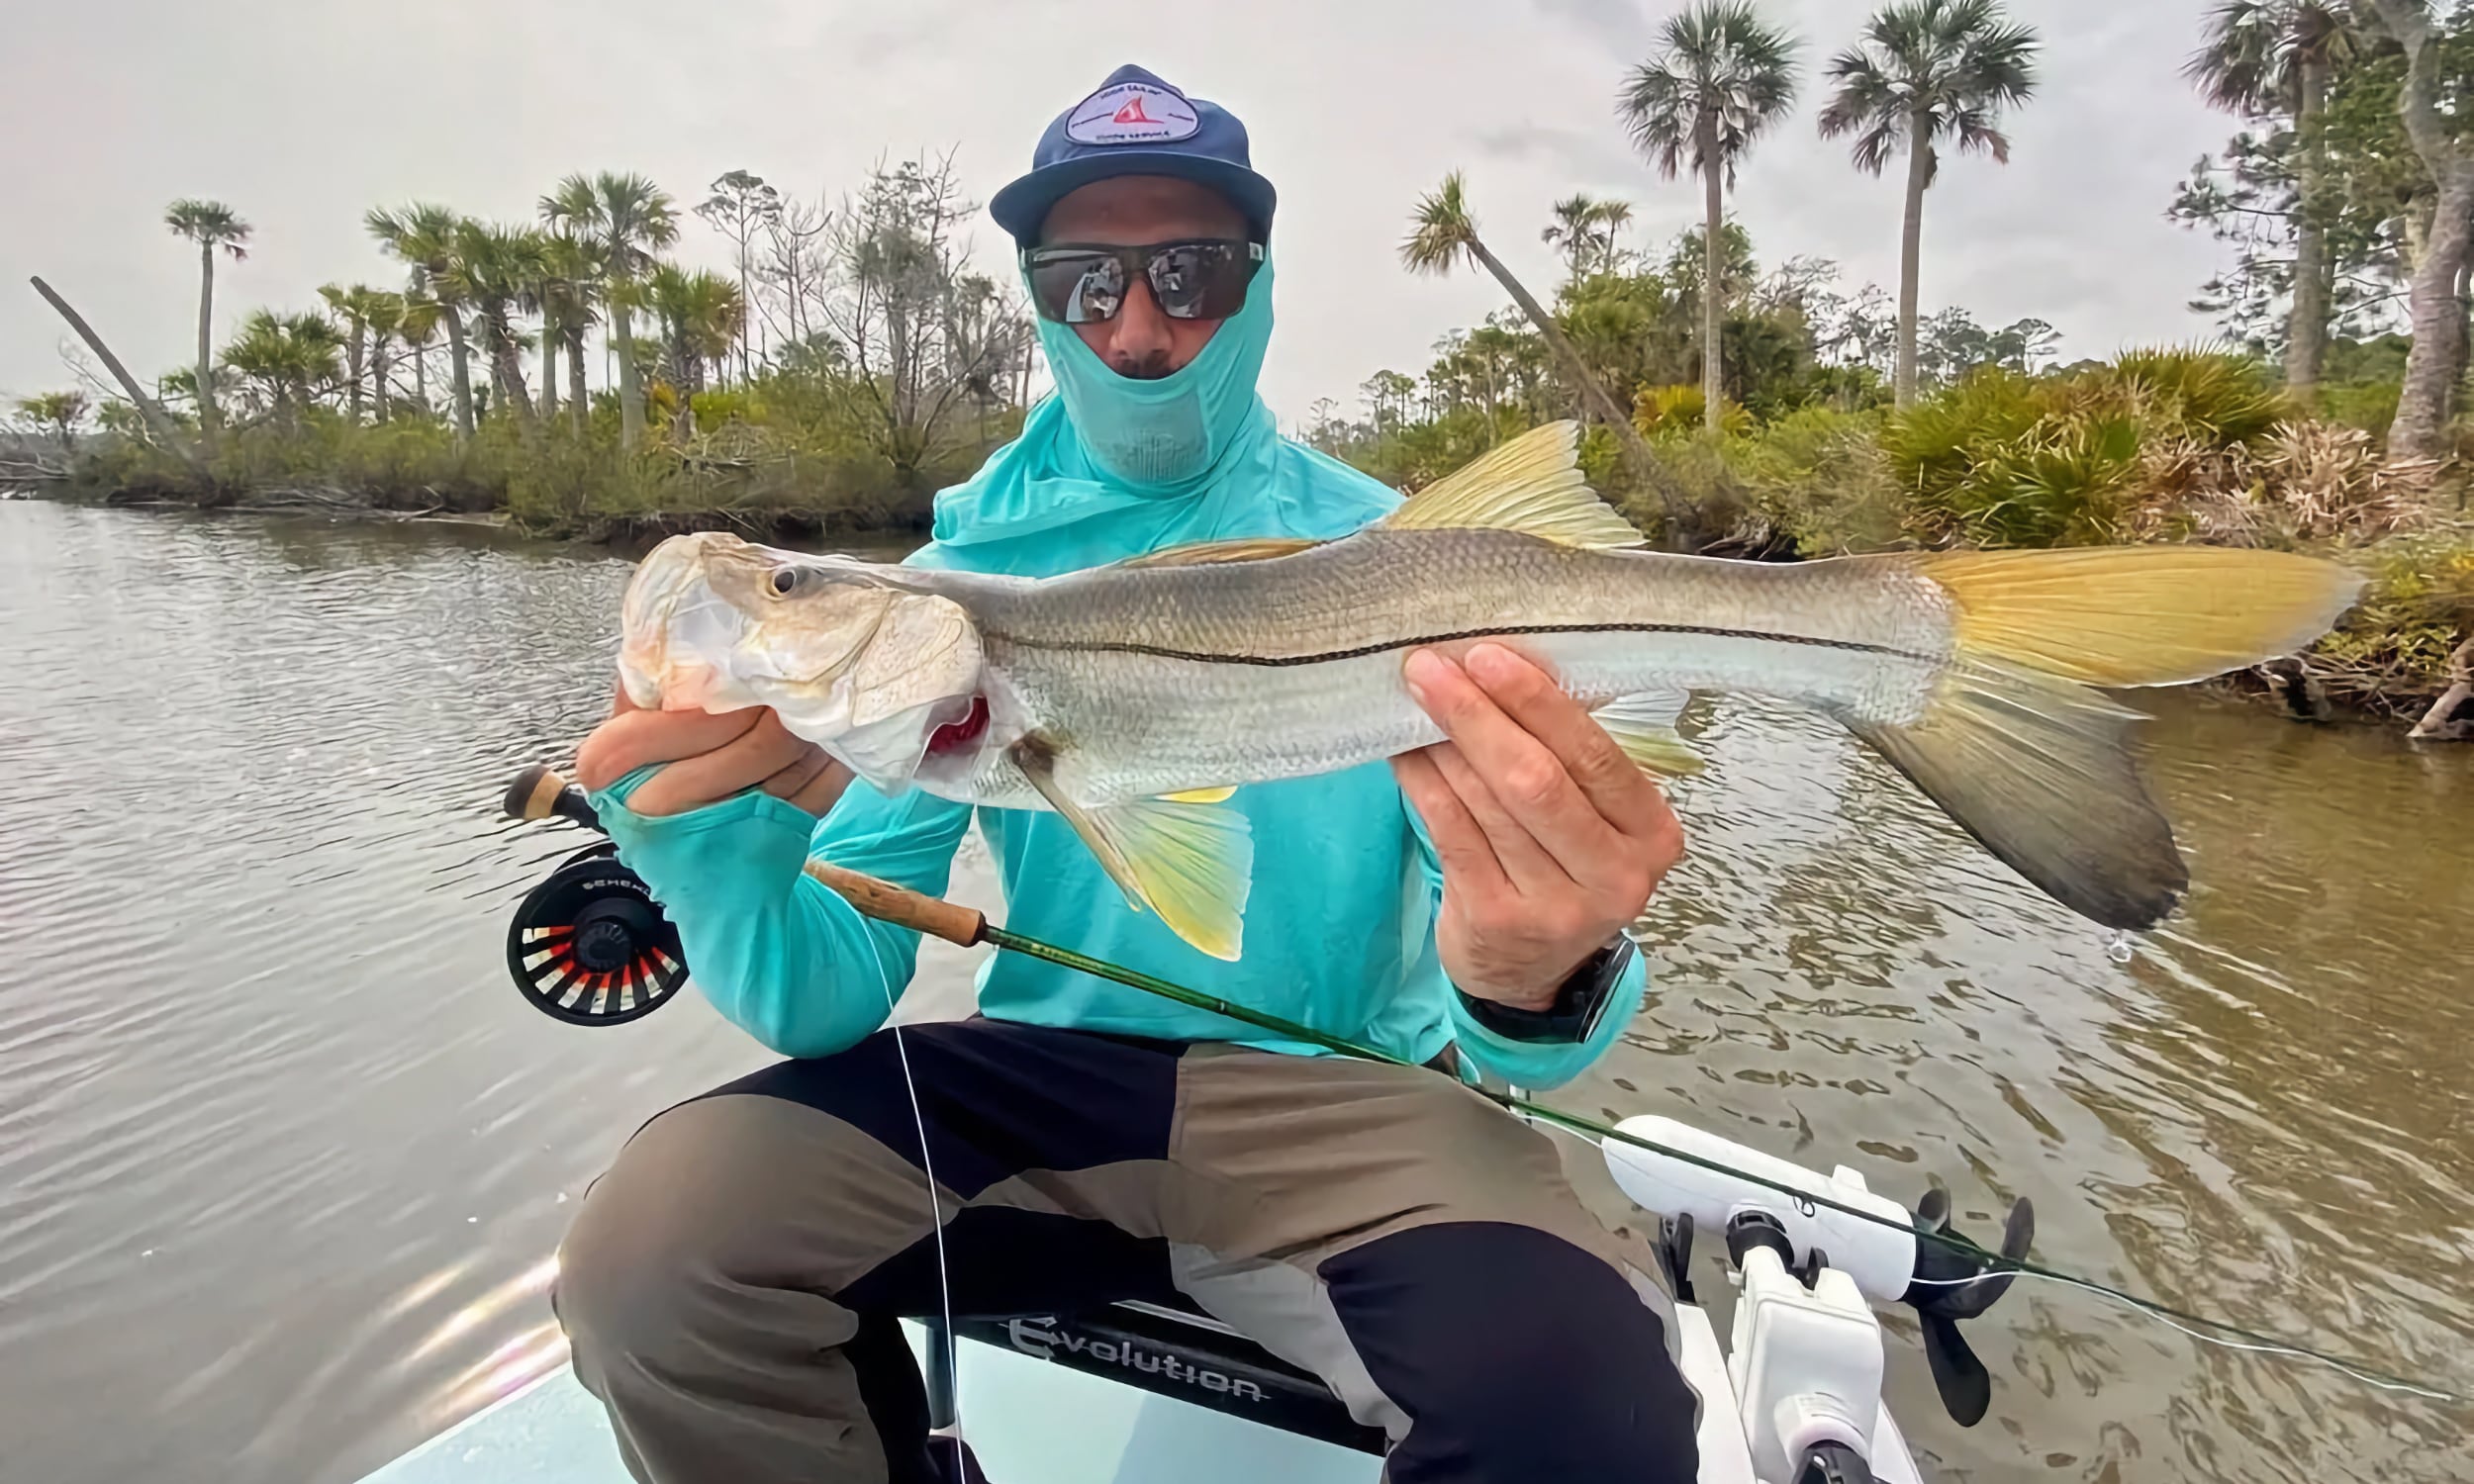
[{"x": 1085, "y": 283}]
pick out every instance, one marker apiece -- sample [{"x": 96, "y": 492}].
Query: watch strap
[{"x": 1578, "y": 1002}]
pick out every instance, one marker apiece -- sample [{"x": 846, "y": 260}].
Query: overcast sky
[{"x": 302, "y": 114}]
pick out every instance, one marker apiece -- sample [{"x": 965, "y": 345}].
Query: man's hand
[
  {"x": 709, "y": 756},
  {"x": 1551, "y": 840}
]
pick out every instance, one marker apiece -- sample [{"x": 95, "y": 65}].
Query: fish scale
[{"x": 1184, "y": 677}]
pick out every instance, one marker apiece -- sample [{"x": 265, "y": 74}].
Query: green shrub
[
  {"x": 2216, "y": 400},
  {"x": 1820, "y": 478},
  {"x": 2003, "y": 459}
]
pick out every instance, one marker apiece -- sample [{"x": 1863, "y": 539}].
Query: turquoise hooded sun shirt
[{"x": 1338, "y": 927}]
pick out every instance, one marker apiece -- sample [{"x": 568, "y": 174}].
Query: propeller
[{"x": 1951, "y": 1284}]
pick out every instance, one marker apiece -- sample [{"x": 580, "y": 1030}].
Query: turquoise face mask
[{"x": 1165, "y": 432}]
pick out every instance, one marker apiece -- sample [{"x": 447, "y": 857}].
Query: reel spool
[{"x": 589, "y": 944}]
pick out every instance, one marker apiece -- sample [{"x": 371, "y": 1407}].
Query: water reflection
[{"x": 282, "y": 1157}]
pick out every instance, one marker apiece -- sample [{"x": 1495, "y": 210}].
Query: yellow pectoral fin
[
  {"x": 1202, "y": 795},
  {"x": 1189, "y": 859},
  {"x": 1190, "y": 863}
]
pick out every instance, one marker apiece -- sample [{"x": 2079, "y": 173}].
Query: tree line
[
  {"x": 2348, "y": 196},
  {"x": 858, "y": 323},
  {"x": 2344, "y": 196}
]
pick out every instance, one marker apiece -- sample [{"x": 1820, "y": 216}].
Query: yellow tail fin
[
  {"x": 2140, "y": 616},
  {"x": 2017, "y": 749}
]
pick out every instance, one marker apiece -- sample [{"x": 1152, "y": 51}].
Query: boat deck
[{"x": 1029, "y": 1422}]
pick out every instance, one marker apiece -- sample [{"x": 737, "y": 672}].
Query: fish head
[{"x": 856, "y": 657}]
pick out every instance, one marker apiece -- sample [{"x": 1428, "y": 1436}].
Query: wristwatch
[{"x": 1579, "y": 1005}]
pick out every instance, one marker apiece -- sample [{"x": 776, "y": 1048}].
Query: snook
[{"x": 1133, "y": 699}]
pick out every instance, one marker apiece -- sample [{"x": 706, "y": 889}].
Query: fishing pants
[{"x": 733, "y": 1286}]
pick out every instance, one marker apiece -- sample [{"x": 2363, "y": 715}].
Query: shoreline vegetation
[{"x": 851, "y": 358}]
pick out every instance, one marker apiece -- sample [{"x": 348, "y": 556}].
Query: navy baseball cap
[{"x": 1135, "y": 124}]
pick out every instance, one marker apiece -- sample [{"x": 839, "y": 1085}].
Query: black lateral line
[{"x": 1164, "y": 652}]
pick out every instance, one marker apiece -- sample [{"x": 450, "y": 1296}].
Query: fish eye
[{"x": 785, "y": 582}]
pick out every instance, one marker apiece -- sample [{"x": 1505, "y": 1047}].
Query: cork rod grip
[
  {"x": 539, "y": 793},
  {"x": 901, "y": 907}
]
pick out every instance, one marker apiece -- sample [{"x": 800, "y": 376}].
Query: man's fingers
[
  {"x": 824, "y": 791},
  {"x": 803, "y": 770},
  {"x": 636, "y": 739},
  {"x": 1532, "y": 782},
  {"x": 1613, "y": 784},
  {"x": 733, "y": 768},
  {"x": 1468, "y": 861},
  {"x": 1528, "y": 865}
]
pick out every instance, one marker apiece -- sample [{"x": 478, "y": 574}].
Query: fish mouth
[
  {"x": 961, "y": 732},
  {"x": 694, "y": 598}
]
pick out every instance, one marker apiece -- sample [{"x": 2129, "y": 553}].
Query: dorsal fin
[
  {"x": 1206, "y": 553},
  {"x": 1532, "y": 484}
]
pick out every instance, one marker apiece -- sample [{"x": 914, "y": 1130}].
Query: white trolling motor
[{"x": 1796, "y": 1398}]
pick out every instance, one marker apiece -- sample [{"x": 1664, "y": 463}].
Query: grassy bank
[{"x": 751, "y": 464}]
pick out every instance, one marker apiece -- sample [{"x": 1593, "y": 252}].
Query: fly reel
[{"x": 589, "y": 946}]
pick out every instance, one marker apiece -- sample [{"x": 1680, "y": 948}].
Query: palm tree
[
  {"x": 424, "y": 237},
  {"x": 422, "y": 316},
  {"x": 1442, "y": 234},
  {"x": 1928, "y": 71},
  {"x": 1718, "y": 79},
  {"x": 701, "y": 315},
  {"x": 383, "y": 313},
  {"x": 351, "y": 305},
  {"x": 570, "y": 300},
  {"x": 60, "y": 412},
  {"x": 1584, "y": 228},
  {"x": 2275, "y": 56},
  {"x": 287, "y": 358},
  {"x": 209, "y": 224},
  {"x": 500, "y": 270},
  {"x": 627, "y": 218}
]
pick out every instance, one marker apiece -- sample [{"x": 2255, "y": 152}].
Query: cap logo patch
[{"x": 1132, "y": 113}]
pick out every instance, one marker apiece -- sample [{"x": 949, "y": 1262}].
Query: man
[{"x": 734, "y": 1285}]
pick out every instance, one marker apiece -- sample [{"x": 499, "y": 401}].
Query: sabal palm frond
[
  {"x": 2255, "y": 52},
  {"x": 209, "y": 224},
  {"x": 628, "y": 220},
  {"x": 1944, "y": 68},
  {"x": 1720, "y": 78},
  {"x": 1926, "y": 72}
]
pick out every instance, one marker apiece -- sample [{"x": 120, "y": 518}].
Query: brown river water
[{"x": 283, "y": 1157}]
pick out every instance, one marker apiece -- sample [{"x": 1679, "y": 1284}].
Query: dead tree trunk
[
  {"x": 152, "y": 409},
  {"x": 2438, "y": 724}
]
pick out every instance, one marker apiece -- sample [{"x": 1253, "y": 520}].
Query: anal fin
[
  {"x": 1643, "y": 726},
  {"x": 2038, "y": 771},
  {"x": 1188, "y": 857}
]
